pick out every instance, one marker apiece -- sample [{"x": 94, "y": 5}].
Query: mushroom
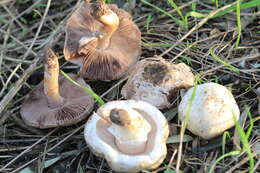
[
  {"x": 103, "y": 40},
  {"x": 211, "y": 109},
  {"x": 157, "y": 81},
  {"x": 131, "y": 135},
  {"x": 56, "y": 101}
]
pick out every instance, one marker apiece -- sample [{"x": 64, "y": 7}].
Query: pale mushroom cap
[
  {"x": 103, "y": 64},
  {"x": 211, "y": 111},
  {"x": 102, "y": 143},
  {"x": 157, "y": 81},
  {"x": 78, "y": 104}
]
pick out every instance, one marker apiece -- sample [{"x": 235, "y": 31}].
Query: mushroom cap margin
[
  {"x": 129, "y": 163},
  {"x": 35, "y": 111},
  {"x": 160, "y": 90},
  {"x": 113, "y": 62}
]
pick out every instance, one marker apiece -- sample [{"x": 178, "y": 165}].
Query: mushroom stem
[
  {"x": 51, "y": 80},
  {"x": 110, "y": 21},
  {"x": 130, "y": 130}
]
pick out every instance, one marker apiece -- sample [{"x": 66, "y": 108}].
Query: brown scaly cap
[
  {"x": 76, "y": 104},
  {"x": 84, "y": 33}
]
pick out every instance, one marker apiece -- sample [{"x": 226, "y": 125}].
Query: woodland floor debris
[{"x": 26, "y": 27}]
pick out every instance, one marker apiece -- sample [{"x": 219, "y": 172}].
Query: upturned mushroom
[
  {"x": 211, "y": 109},
  {"x": 56, "y": 101},
  {"x": 157, "y": 81},
  {"x": 103, "y": 40},
  {"x": 131, "y": 135}
]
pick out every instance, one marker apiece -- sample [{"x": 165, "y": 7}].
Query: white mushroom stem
[
  {"x": 51, "y": 80},
  {"x": 130, "y": 130},
  {"x": 110, "y": 21}
]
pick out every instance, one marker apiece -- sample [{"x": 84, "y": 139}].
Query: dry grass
[{"x": 27, "y": 27}]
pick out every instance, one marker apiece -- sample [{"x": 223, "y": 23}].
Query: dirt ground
[{"x": 203, "y": 34}]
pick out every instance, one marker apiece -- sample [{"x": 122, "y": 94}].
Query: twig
[
  {"x": 44, "y": 153},
  {"x": 239, "y": 164},
  {"x": 39, "y": 29},
  {"x": 25, "y": 151},
  {"x": 18, "y": 84}
]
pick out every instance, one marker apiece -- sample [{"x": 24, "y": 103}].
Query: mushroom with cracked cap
[
  {"x": 131, "y": 135},
  {"x": 157, "y": 81},
  {"x": 56, "y": 101},
  {"x": 211, "y": 109},
  {"x": 103, "y": 40}
]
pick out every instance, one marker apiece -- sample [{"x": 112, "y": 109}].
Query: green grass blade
[
  {"x": 232, "y": 153},
  {"x": 245, "y": 143},
  {"x": 109, "y": 1},
  {"x": 179, "y": 22},
  {"x": 251, "y": 125},
  {"x": 256, "y": 119},
  {"x": 50, "y": 162},
  {"x": 177, "y": 139},
  {"x": 157, "y": 44},
  {"x": 172, "y": 3},
  {"x": 225, "y": 136},
  {"x": 194, "y": 6},
  {"x": 88, "y": 90},
  {"x": 26, "y": 170},
  {"x": 239, "y": 28},
  {"x": 226, "y": 64},
  {"x": 194, "y": 14},
  {"x": 253, "y": 3},
  {"x": 198, "y": 79},
  {"x": 184, "y": 125},
  {"x": 147, "y": 23},
  {"x": 187, "y": 116},
  {"x": 216, "y": 3}
]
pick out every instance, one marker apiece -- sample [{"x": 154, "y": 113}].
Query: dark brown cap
[
  {"x": 37, "y": 112},
  {"x": 84, "y": 33}
]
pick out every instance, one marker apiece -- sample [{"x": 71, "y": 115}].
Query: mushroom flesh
[
  {"x": 211, "y": 109},
  {"x": 103, "y": 40},
  {"x": 56, "y": 101},
  {"x": 157, "y": 81},
  {"x": 131, "y": 135}
]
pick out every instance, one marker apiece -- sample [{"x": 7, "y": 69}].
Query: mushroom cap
[
  {"x": 102, "y": 143},
  {"x": 211, "y": 111},
  {"x": 78, "y": 104},
  {"x": 107, "y": 64},
  {"x": 157, "y": 81}
]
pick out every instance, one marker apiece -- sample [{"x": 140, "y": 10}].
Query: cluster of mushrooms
[{"x": 130, "y": 134}]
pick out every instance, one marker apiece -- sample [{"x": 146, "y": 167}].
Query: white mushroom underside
[{"x": 119, "y": 161}]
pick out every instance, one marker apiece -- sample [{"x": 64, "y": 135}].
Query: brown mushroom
[
  {"x": 56, "y": 101},
  {"x": 103, "y": 40},
  {"x": 157, "y": 81}
]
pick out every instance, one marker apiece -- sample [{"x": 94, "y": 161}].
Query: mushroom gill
[
  {"x": 56, "y": 101},
  {"x": 131, "y": 135},
  {"x": 103, "y": 40}
]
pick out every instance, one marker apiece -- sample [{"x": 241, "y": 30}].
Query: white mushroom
[
  {"x": 210, "y": 108},
  {"x": 131, "y": 135},
  {"x": 157, "y": 81}
]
